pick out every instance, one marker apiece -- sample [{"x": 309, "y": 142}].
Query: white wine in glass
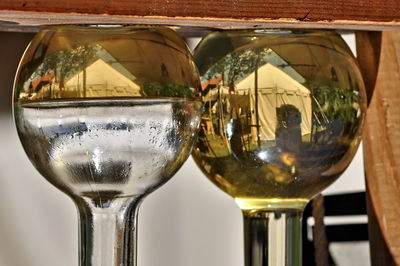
[
  {"x": 107, "y": 114},
  {"x": 282, "y": 120}
]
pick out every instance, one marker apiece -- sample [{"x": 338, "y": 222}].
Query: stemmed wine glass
[
  {"x": 282, "y": 120},
  {"x": 107, "y": 114}
]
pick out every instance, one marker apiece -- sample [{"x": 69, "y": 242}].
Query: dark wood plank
[
  {"x": 345, "y": 204},
  {"x": 347, "y": 233},
  {"x": 302, "y": 10},
  {"x": 208, "y": 13},
  {"x": 379, "y": 251},
  {"x": 382, "y": 156},
  {"x": 12, "y": 47},
  {"x": 368, "y": 46}
]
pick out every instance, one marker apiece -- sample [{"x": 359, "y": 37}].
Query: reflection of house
[
  {"x": 45, "y": 80},
  {"x": 212, "y": 83},
  {"x": 210, "y": 88},
  {"x": 41, "y": 85},
  {"x": 102, "y": 80},
  {"x": 275, "y": 88},
  {"x": 212, "y": 95}
]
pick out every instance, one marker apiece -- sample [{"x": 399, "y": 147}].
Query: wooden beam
[
  {"x": 382, "y": 156},
  {"x": 301, "y": 10},
  {"x": 339, "y": 14}
]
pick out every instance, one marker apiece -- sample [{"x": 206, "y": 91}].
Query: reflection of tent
[
  {"x": 312, "y": 55},
  {"x": 275, "y": 88},
  {"x": 102, "y": 80},
  {"x": 148, "y": 54}
]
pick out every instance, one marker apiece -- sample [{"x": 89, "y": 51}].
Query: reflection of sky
[
  {"x": 109, "y": 59},
  {"x": 266, "y": 56},
  {"x": 273, "y": 58}
]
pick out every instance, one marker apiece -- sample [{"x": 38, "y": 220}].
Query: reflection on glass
[
  {"x": 282, "y": 119},
  {"x": 62, "y": 66},
  {"x": 107, "y": 114}
]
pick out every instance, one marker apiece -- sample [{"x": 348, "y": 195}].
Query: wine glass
[
  {"x": 282, "y": 120},
  {"x": 107, "y": 114}
]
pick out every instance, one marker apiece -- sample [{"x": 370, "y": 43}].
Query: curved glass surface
[
  {"x": 283, "y": 114},
  {"x": 106, "y": 111}
]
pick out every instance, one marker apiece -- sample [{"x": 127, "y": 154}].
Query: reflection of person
[
  {"x": 239, "y": 109},
  {"x": 237, "y": 134},
  {"x": 288, "y": 129},
  {"x": 207, "y": 125},
  {"x": 30, "y": 90}
]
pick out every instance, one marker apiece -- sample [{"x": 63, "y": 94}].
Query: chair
[{"x": 332, "y": 205}]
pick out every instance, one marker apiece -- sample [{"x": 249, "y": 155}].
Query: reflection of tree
[
  {"x": 331, "y": 103},
  {"x": 237, "y": 65},
  {"x": 335, "y": 111},
  {"x": 234, "y": 66},
  {"x": 158, "y": 89},
  {"x": 66, "y": 63}
]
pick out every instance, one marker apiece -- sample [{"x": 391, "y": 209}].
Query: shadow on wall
[{"x": 12, "y": 47}]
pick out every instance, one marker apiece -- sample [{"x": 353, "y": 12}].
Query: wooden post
[
  {"x": 368, "y": 44},
  {"x": 382, "y": 153}
]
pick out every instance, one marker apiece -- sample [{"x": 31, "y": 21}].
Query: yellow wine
[{"x": 282, "y": 115}]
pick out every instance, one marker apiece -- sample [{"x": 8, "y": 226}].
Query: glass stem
[
  {"x": 107, "y": 231},
  {"x": 273, "y": 237}
]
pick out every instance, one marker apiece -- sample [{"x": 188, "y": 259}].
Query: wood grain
[
  {"x": 368, "y": 45},
  {"x": 310, "y": 10},
  {"x": 209, "y": 13},
  {"x": 382, "y": 156}
]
